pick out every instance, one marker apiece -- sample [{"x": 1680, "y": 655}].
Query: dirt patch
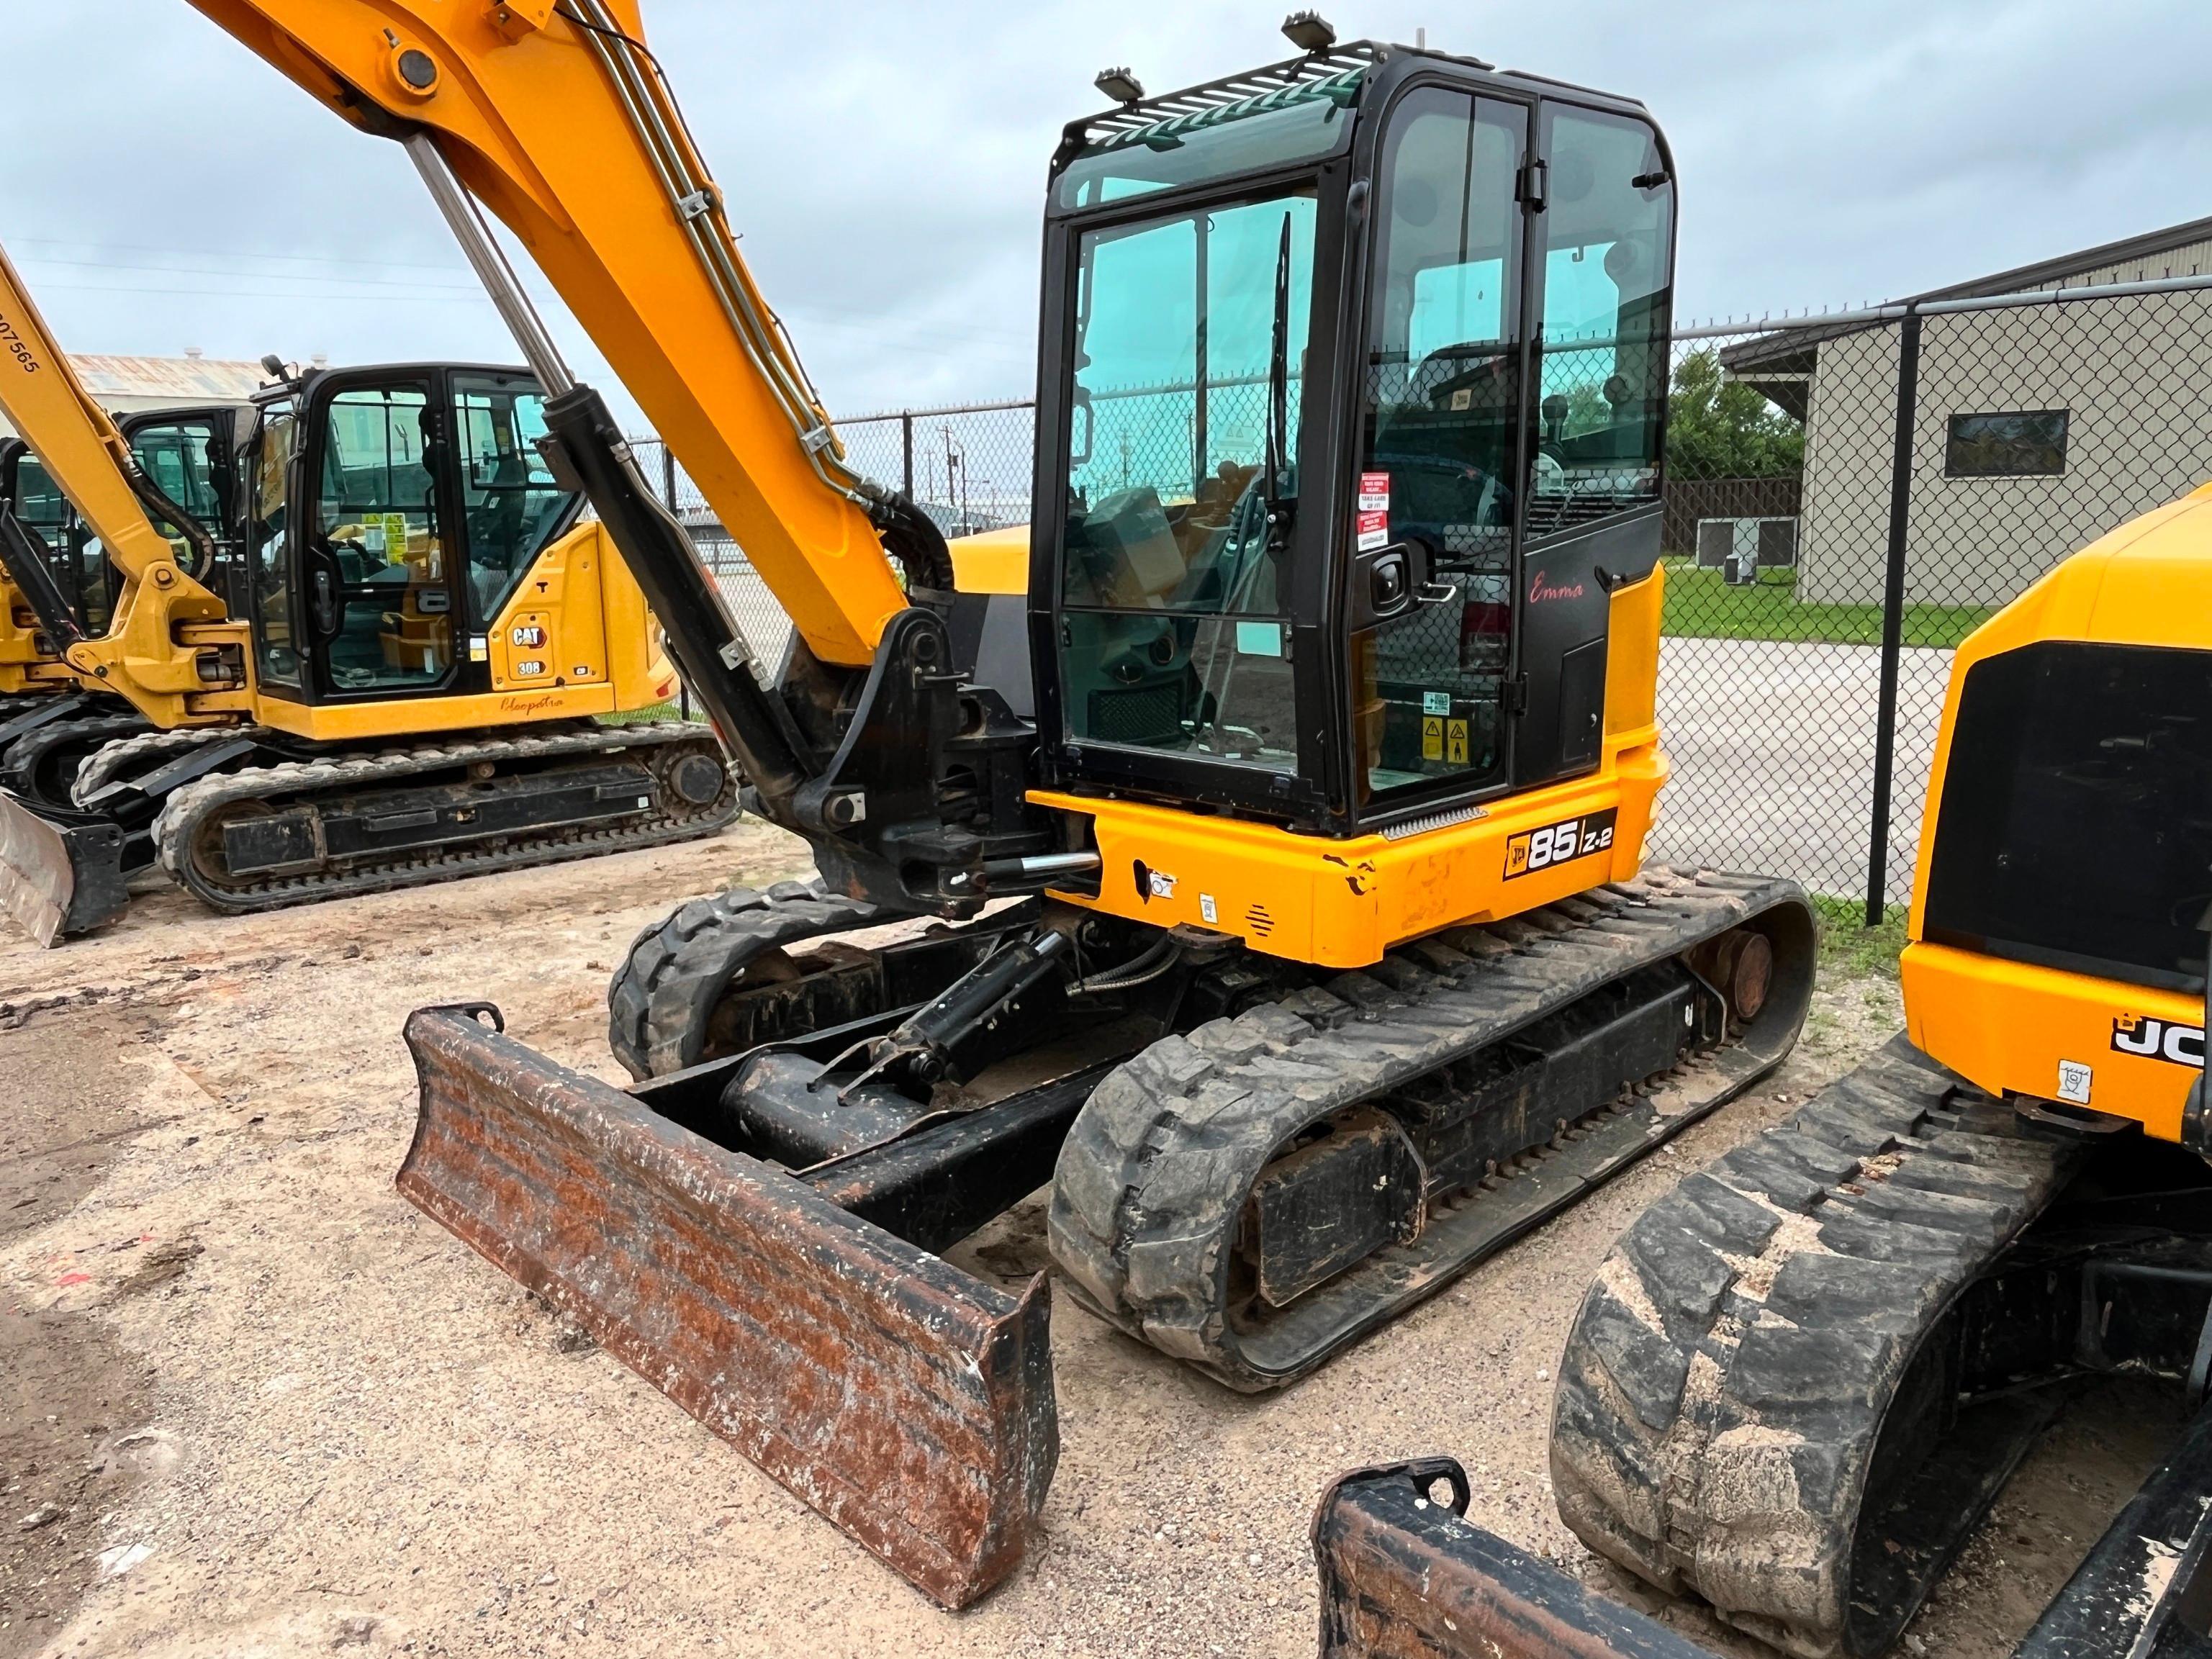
[
  {"x": 372, "y": 1442},
  {"x": 66, "y": 1387}
]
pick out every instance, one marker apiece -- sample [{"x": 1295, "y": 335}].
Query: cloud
[{"x": 885, "y": 162}]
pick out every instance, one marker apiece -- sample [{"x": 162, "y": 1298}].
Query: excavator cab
[
  {"x": 1353, "y": 389},
  {"x": 52, "y": 723},
  {"x": 393, "y": 514},
  {"x": 187, "y": 454}
]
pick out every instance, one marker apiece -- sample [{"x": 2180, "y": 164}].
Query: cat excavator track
[
  {"x": 45, "y": 765},
  {"x": 266, "y": 836},
  {"x": 132, "y": 756}
]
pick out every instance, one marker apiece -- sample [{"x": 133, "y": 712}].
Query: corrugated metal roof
[{"x": 213, "y": 379}]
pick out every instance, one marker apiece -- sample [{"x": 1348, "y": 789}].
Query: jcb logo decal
[
  {"x": 2159, "y": 1039},
  {"x": 1539, "y": 849}
]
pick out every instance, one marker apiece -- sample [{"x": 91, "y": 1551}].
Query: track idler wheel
[{"x": 1740, "y": 965}]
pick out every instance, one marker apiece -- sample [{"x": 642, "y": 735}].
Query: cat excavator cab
[
  {"x": 1252, "y": 854},
  {"x": 1800, "y": 1380},
  {"x": 383, "y": 666},
  {"x": 49, "y": 725}
]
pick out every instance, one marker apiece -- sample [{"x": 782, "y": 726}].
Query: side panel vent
[{"x": 1259, "y": 921}]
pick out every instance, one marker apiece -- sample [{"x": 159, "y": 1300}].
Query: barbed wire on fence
[{"x": 1848, "y": 494}]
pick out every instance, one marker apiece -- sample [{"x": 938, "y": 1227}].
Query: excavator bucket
[
  {"x": 1405, "y": 1576},
  {"x": 906, "y": 1401},
  {"x": 60, "y": 874}
]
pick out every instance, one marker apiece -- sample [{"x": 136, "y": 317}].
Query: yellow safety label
[
  {"x": 1456, "y": 743},
  {"x": 1432, "y": 736}
]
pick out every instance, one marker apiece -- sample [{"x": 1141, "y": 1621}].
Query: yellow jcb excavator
[
  {"x": 1270, "y": 817},
  {"x": 398, "y": 682},
  {"x": 1799, "y": 1380}
]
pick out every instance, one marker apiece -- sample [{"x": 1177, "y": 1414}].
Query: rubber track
[
  {"x": 1728, "y": 1373},
  {"x": 662, "y": 997},
  {"x": 176, "y": 828},
  {"x": 19, "y": 766},
  {"x": 1152, "y": 1178},
  {"x": 157, "y": 748}
]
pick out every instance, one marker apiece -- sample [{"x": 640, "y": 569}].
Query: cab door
[
  {"x": 1438, "y": 463},
  {"x": 374, "y": 559},
  {"x": 1604, "y": 287}
]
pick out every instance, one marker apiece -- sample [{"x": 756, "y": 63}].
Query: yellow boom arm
[
  {"x": 554, "y": 116},
  {"x": 162, "y": 647}
]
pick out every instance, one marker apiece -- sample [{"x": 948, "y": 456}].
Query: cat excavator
[
  {"x": 1800, "y": 1379},
  {"x": 389, "y": 676},
  {"x": 49, "y": 725},
  {"x": 1251, "y": 853}
]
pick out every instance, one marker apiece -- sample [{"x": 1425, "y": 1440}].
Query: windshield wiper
[{"x": 1279, "y": 377}]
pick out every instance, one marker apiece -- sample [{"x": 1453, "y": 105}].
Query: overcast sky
[{"x": 886, "y": 162}]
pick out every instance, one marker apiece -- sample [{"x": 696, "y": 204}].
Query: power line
[
  {"x": 837, "y": 317},
  {"x": 206, "y": 270},
  {"x": 236, "y": 253}
]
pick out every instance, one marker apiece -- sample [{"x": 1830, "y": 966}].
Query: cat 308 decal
[{"x": 1539, "y": 849}]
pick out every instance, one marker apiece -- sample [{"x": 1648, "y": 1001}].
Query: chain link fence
[{"x": 1848, "y": 496}]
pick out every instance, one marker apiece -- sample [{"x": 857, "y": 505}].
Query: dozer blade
[
  {"x": 908, "y": 1402},
  {"x": 1403, "y": 1575},
  {"x": 61, "y": 874}
]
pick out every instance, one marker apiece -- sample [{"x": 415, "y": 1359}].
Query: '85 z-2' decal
[{"x": 1577, "y": 838}]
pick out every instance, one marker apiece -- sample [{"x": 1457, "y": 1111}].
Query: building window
[{"x": 2031, "y": 444}]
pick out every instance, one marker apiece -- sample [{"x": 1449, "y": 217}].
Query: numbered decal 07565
[{"x": 1559, "y": 843}]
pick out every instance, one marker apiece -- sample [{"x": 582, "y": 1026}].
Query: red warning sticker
[
  {"x": 1374, "y": 492},
  {"x": 1374, "y": 531}
]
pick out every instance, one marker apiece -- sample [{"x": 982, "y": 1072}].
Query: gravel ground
[{"x": 278, "y": 1412}]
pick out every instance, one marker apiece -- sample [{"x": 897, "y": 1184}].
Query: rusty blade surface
[
  {"x": 1404, "y": 1576},
  {"x": 907, "y": 1402},
  {"x": 59, "y": 878}
]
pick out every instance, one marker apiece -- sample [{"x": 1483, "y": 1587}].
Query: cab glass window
[
  {"x": 39, "y": 504},
  {"x": 78, "y": 563},
  {"x": 2075, "y": 825},
  {"x": 379, "y": 596},
  {"x": 1607, "y": 258},
  {"x": 1188, "y": 367},
  {"x": 1442, "y": 419},
  {"x": 276, "y": 641},
  {"x": 512, "y": 507},
  {"x": 185, "y": 462}
]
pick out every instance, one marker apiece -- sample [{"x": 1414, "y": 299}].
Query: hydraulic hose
[{"x": 1137, "y": 970}]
